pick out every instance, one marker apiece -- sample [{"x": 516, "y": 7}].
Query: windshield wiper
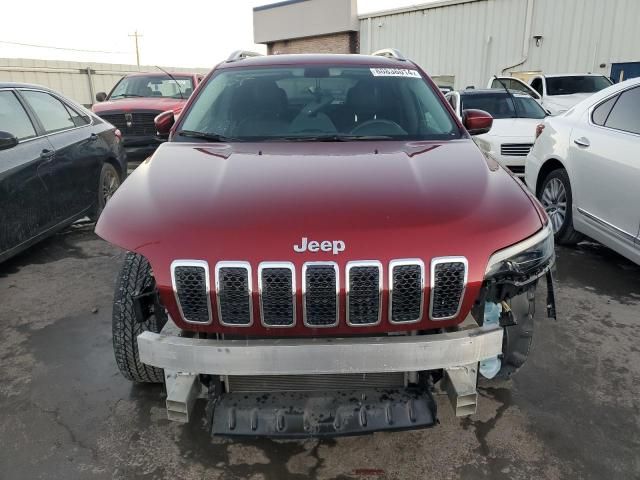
[
  {"x": 331, "y": 138},
  {"x": 210, "y": 137},
  {"x": 127, "y": 95}
]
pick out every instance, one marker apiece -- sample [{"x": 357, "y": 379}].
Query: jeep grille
[
  {"x": 448, "y": 277},
  {"x": 406, "y": 294},
  {"x": 191, "y": 287},
  {"x": 321, "y": 294},
  {"x": 320, "y": 289},
  {"x": 233, "y": 288},
  {"x": 277, "y": 294}
]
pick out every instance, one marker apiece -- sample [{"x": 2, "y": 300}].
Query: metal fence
[{"x": 76, "y": 80}]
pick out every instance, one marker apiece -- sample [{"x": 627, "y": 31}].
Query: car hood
[
  {"x": 561, "y": 103},
  {"x": 145, "y": 103},
  {"x": 254, "y": 202},
  {"x": 513, "y": 127}
]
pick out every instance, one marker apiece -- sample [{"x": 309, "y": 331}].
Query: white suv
[{"x": 556, "y": 93}]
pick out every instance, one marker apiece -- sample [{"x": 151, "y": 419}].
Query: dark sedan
[{"x": 58, "y": 163}]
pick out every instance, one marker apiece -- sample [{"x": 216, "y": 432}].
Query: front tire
[
  {"x": 557, "y": 199},
  {"x": 135, "y": 277},
  {"x": 108, "y": 182}
]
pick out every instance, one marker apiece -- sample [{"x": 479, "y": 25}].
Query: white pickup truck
[{"x": 556, "y": 93}]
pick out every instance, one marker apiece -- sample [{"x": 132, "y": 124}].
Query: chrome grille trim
[
  {"x": 439, "y": 260},
  {"x": 363, "y": 263},
  {"x": 305, "y": 267},
  {"x": 234, "y": 264},
  {"x": 406, "y": 262},
  {"x": 268, "y": 265},
  {"x": 515, "y": 149},
  {"x": 192, "y": 263}
]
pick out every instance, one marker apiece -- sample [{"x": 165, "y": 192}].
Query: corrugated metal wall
[
  {"x": 71, "y": 78},
  {"x": 475, "y": 39}
]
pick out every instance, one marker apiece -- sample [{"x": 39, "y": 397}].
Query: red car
[
  {"x": 137, "y": 99},
  {"x": 319, "y": 246}
]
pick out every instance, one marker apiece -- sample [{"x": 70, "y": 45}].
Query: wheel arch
[{"x": 547, "y": 167}]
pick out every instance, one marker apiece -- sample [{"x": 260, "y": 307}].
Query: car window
[
  {"x": 153, "y": 86},
  {"x": 13, "y": 117},
  {"x": 304, "y": 102},
  {"x": 51, "y": 112},
  {"x": 78, "y": 119},
  {"x": 572, "y": 84},
  {"x": 624, "y": 115},
  {"x": 511, "y": 84},
  {"x": 536, "y": 84},
  {"x": 498, "y": 104},
  {"x": 601, "y": 112}
]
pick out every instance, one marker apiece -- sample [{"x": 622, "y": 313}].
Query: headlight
[{"x": 524, "y": 261}]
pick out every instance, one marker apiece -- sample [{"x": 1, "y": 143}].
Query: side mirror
[
  {"x": 476, "y": 122},
  {"x": 7, "y": 140},
  {"x": 101, "y": 96},
  {"x": 164, "y": 122}
]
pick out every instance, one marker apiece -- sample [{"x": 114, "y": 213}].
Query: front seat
[{"x": 258, "y": 108}]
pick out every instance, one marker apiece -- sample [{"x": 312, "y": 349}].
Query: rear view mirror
[
  {"x": 164, "y": 122},
  {"x": 477, "y": 122},
  {"x": 7, "y": 140},
  {"x": 101, "y": 96}
]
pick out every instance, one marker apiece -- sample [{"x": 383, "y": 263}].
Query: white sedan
[
  {"x": 585, "y": 169},
  {"x": 515, "y": 117}
]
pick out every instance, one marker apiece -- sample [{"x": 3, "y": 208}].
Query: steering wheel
[{"x": 378, "y": 127}]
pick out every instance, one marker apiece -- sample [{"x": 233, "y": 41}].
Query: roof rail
[
  {"x": 242, "y": 54},
  {"x": 390, "y": 53}
]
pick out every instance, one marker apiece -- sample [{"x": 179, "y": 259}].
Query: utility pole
[{"x": 136, "y": 36}]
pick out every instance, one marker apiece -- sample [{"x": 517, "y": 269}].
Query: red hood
[
  {"x": 253, "y": 202},
  {"x": 145, "y": 103}
]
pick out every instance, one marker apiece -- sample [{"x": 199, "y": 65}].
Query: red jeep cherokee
[
  {"x": 321, "y": 247},
  {"x": 137, "y": 99}
]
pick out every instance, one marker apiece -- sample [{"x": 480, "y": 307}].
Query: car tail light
[
  {"x": 118, "y": 134},
  {"x": 539, "y": 130}
]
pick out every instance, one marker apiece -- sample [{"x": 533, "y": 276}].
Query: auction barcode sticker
[{"x": 394, "y": 72}]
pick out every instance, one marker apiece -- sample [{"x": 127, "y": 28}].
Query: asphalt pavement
[{"x": 573, "y": 411}]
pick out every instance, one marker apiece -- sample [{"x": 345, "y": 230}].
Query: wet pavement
[{"x": 573, "y": 411}]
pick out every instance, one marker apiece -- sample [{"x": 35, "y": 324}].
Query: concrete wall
[
  {"x": 343, "y": 42},
  {"x": 303, "y": 18},
  {"x": 71, "y": 78},
  {"x": 474, "y": 39}
]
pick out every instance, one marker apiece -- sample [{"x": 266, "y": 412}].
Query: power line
[{"x": 60, "y": 48}]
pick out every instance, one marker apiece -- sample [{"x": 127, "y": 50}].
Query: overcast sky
[{"x": 194, "y": 33}]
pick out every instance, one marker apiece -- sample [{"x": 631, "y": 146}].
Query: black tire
[
  {"x": 108, "y": 182},
  {"x": 134, "y": 277},
  {"x": 565, "y": 235}
]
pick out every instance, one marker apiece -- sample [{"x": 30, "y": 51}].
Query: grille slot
[
  {"x": 517, "y": 169},
  {"x": 364, "y": 293},
  {"x": 276, "y": 282},
  {"x": 233, "y": 288},
  {"x": 448, "y": 281},
  {"x": 515, "y": 149},
  {"x": 406, "y": 280},
  {"x": 191, "y": 287},
  {"x": 314, "y": 383},
  {"x": 320, "y": 287}
]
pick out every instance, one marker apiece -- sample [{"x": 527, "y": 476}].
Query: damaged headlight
[{"x": 524, "y": 261}]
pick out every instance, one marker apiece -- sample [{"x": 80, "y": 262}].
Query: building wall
[
  {"x": 303, "y": 18},
  {"x": 475, "y": 39},
  {"x": 343, "y": 42},
  {"x": 71, "y": 78}
]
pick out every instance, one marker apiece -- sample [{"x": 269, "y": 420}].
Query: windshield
[
  {"x": 153, "y": 86},
  {"x": 318, "y": 102},
  {"x": 501, "y": 105},
  {"x": 576, "y": 84}
]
